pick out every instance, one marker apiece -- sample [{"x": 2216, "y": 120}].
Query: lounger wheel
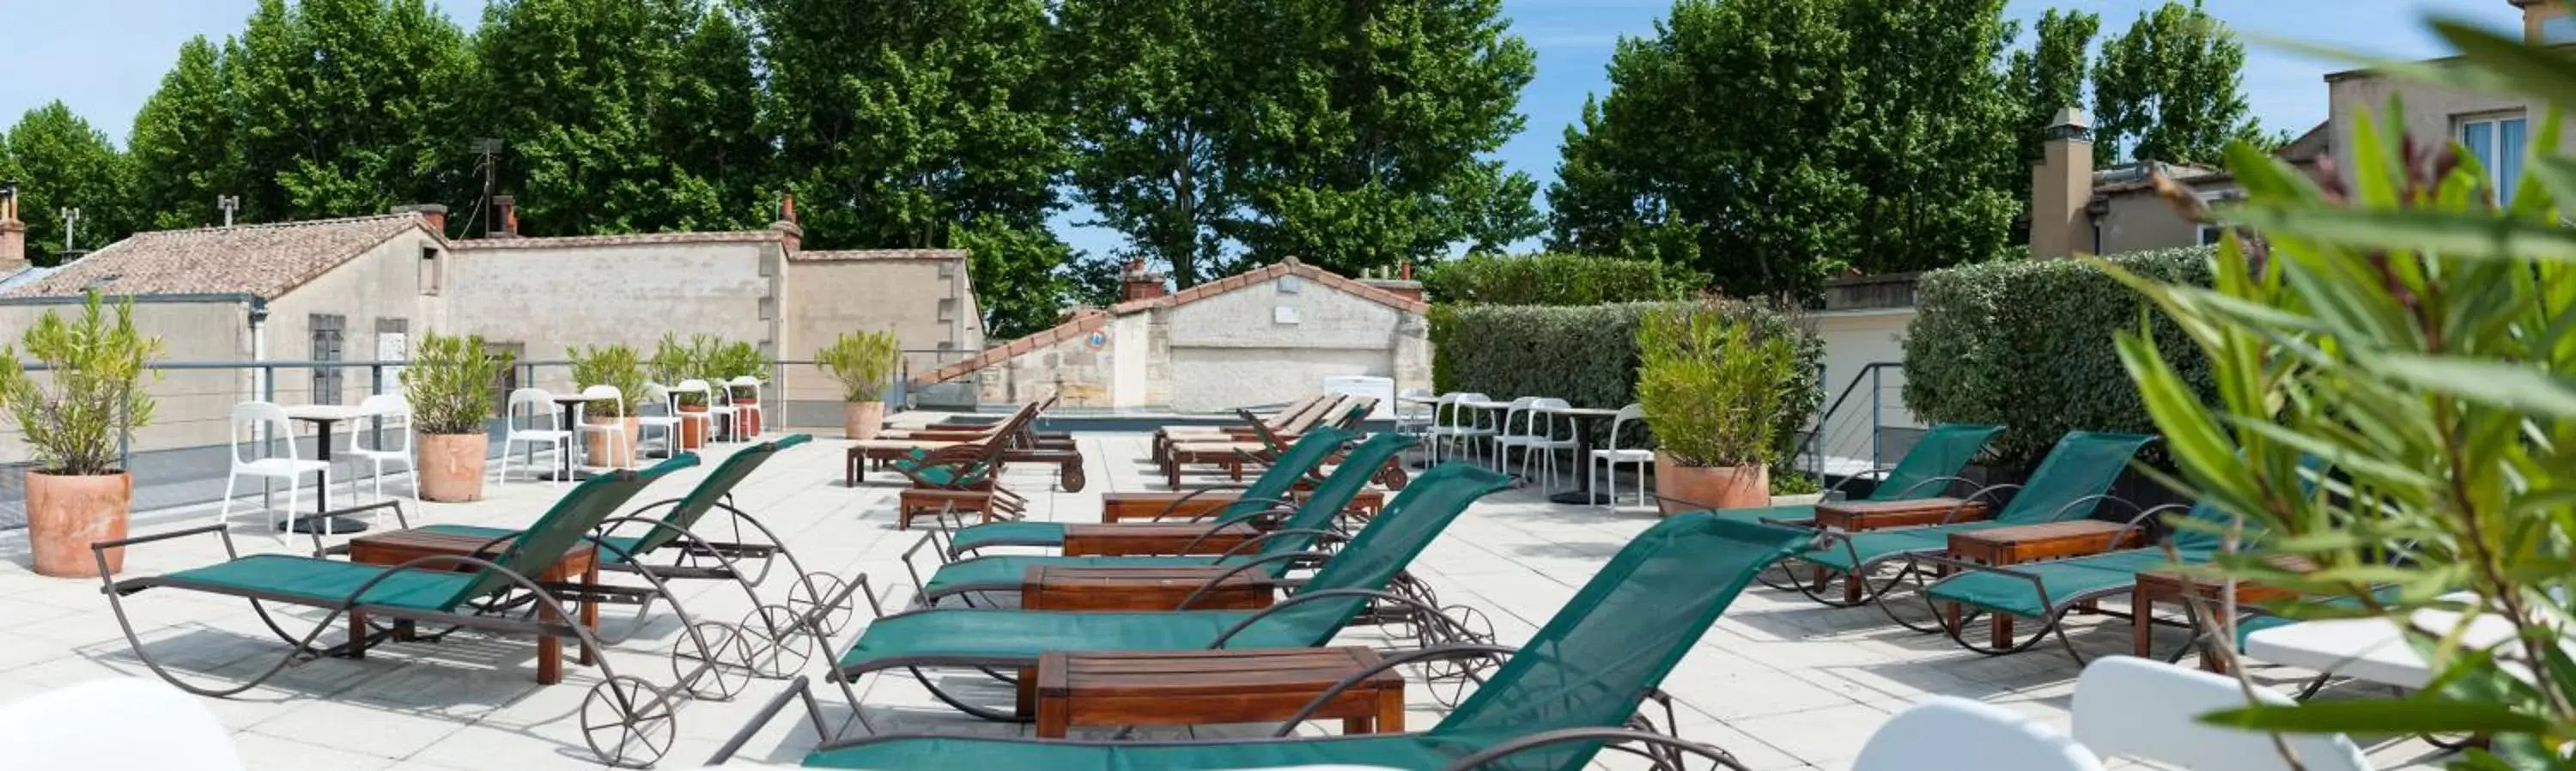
[
  {"x": 1449, "y": 679},
  {"x": 1393, "y": 477},
  {"x": 811, "y": 599},
  {"x": 776, "y": 642},
  {"x": 712, "y": 661},
  {"x": 628, "y": 723},
  {"x": 1071, "y": 478}
]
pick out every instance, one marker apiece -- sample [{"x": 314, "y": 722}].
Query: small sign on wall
[{"x": 1284, "y": 314}]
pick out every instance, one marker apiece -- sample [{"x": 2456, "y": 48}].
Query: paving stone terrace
[{"x": 1780, "y": 682}]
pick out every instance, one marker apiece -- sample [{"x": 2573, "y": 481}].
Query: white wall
[
  {"x": 1234, "y": 349},
  {"x": 549, "y": 299},
  {"x": 1854, "y": 340}
]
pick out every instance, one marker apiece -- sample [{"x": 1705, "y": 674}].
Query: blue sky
[{"x": 103, "y": 57}]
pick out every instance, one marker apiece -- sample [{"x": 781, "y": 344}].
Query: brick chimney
[
  {"x": 432, "y": 216},
  {"x": 1402, "y": 285},
  {"x": 2061, "y": 186},
  {"x": 2537, "y": 14},
  {"x": 1137, "y": 283},
  {"x": 790, "y": 234},
  {"x": 13, "y": 233},
  {"x": 505, "y": 224}
]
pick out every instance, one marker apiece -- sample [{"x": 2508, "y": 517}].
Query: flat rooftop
[{"x": 1780, "y": 682}]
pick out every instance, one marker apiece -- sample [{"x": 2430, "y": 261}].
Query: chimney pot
[
  {"x": 433, "y": 216},
  {"x": 791, "y": 236},
  {"x": 1136, "y": 283},
  {"x": 507, "y": 224},
  {"x": 787, "y": 207}
]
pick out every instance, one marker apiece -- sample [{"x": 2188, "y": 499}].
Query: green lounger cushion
[
  {"x": 620, "y": 547},
  {"x": 980, "y": 634},
  {"x": 1391, "y": 751},
  {"x": 1878, "y": 545},
  {"x": 327, "y": 582},
  {"x": 1021, "y": 533},
  {"x": 2066, "y": 579},
  {"x": 1008, "y": 570}
]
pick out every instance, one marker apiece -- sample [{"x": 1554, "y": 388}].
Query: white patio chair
[
  {"x": 1529, "y": 427},
  {"x": 1459, "y": 426},
  {"x": 752, "y": 407},
  {"x": 252, "y": 457},
  {"x": 707, "y": 419},
  {"x": 605, "y": 400},
  {"x": 2139, "y": 709},
  {"x": 1948, "y": 733},
  {"x": 668, "y": 420},
  {"x": 529, "y": 421},
  {"x": 389, "y": 443},
  {"x": 1413, "y": 419},
  {"x": 95, "y": 726},
  {"x": 1609, "y": 458}
]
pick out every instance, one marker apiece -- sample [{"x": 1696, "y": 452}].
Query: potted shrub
[
  {"x": 618, "y": 366},
  {"x": 449, "y": 384},
  {"x": 863, "y": 362},
  {"x": 1713, "y": 382},
  {"x": 673, "y": 362},
  {"x": 73, "y": 416},
  {"x": 740, "y": 359}
]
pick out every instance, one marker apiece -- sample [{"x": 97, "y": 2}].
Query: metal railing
[{"x": 1868, "y": 389}]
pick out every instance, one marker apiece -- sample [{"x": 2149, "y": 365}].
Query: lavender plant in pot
[{"x": 90, "y": 391}]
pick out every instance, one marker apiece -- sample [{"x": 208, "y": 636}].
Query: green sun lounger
[
  {"x": 2047, "y": 590},
  {"x": 1928, "y": 470},
  {"x": 1267, "y": 494},
  {"x": 463, "y": 592},
  {"x": 1008, "y": 638},
  {"x": 1273, "y": 552},
  {"x": 1588, "y": 671},
  {"x": 2069, "y": 483}
]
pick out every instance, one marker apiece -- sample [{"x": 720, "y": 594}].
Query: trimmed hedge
[
  {"x": 1557, "y": 279},
  {"x": 1586, "y": 355},
  {"x": 2028, "y": 345}
]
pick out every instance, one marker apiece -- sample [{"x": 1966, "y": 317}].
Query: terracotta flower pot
[
  {"x": 65, "y": 514},
  {"x": 611, "y": 454},
  {"x": 862, "y": 420},
  {"x": 750, "y": 419},
  {"x": 1719, "y": 487},
  {"x": 451, "y": 467},
  {"x": 693, "y": 431}
]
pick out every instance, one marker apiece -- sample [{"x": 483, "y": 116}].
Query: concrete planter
[
  {"x": 862, "y": 420},
  {"x": 65, "y": 514},
  {"x": 611, "y": 449},
  {"x": 451, "y": 467},
  {"x": 1710, "y": 487}
]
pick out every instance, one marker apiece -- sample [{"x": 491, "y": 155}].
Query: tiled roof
[
  {"x": 260, "y": 260},
  {"x": 634, "y": 239},
  {"x": 1084, "y": 322},
  {"x": 855, "y": 255}
]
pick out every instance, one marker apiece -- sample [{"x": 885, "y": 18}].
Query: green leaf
[
  {"x": 2381, "y": 716},
  {"x": 2496, "y": 383}
]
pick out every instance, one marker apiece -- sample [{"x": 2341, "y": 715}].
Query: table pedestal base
[{"x": 312, "y": 524}]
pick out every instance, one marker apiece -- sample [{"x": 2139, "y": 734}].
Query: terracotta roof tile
[
  {"x": 259, "y": 260},
  {"x": 632, "y": 239},
  {"x": 854, "y": 255}
]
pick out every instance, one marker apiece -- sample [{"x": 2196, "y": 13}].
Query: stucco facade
[
  {"x": 924, "y": 297},
  {"x": 2432, "y": 112}
]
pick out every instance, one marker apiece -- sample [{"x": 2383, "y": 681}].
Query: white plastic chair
[
  {"x": 2140, "y": 709},
  {"x": 707, "y": 419},
  {"x": 1412, "y": 419},
  {"x": 251, "y": 458},
  {"x": 741, "y": 409},
  {"x": 605, "y": 400},
  {"x": 1608, "y": 459},
  {"x": 1529, "y": 427},
  {"x": 97, "y": 726},
  {"x": 1948, "y": 733},
  {"x": 530, "y": 421},
  {"x": 389, "y": 443},
  {"x": 1459, "y": 427},
  {"x": 668, "y": 420},
  {"x": 722, "y": 414}
]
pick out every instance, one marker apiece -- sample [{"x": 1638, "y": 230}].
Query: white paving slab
[{"x": 1781, "y": 682}]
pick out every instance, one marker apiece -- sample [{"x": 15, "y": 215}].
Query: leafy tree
[
  {"x": 61, "y": 162},
  {"x": 350, "y": 107},
  {"x": 185, "y": 144},
  {"x": 1366, "y": 123},
  {"x": 2047, "y": 78},
  {"x": 1930, "y": 118},
  {"x": 2169, "y": 88},
  {"x": 571, "y": 87},
  {"x": 709, "y": 125},
  {"x": 1150, "y": 119},
  {"x": 907, "y": 122}
]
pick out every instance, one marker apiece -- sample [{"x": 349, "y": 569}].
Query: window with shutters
[{"x": 328, "y": 332}]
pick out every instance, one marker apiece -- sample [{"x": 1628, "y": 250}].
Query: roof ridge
[{"x": 287, "y": 224}]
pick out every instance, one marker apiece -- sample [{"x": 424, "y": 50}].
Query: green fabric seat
[
  {"x": 685, "y": 511},
  {"x": 1274, "y": 483},
  {"x": 1411, "y": 751},
  {"x": 988, "y": 637},
  {"x": 325, "y": 582},
  {"x": 2067, "y": 580},
  {"x": 1876, "y": 545},
  {"x": 1937, "y": 456},
  {"x": 1002, "y": 573},
  {"x": 1007, "y": 571},
  {"x": 2066, "y": 485},
  {"x": 1591, "y": 666},
  {"x": 620, "y": 548}
]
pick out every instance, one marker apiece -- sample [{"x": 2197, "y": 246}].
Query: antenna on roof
[
  {"x": 228, "y": 203},
  {"x": 71, "y": 225},
  {"x": 488, "y": 160}
]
